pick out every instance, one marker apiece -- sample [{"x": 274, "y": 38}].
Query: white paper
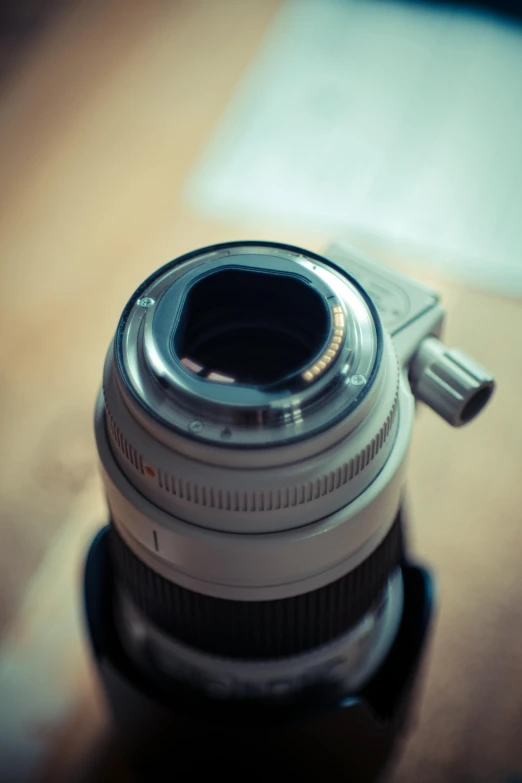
[{"x": 401, "y": 122}]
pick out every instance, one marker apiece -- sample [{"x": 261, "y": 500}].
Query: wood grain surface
[{"x": 100, "y": 123}]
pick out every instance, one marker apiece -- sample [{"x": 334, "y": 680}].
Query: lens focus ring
[{"x": 258, "y": 629}]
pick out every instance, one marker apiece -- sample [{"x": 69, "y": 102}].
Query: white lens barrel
[
  {"x": 297, "y": 512},
  {"x": 251, "y": 503}
]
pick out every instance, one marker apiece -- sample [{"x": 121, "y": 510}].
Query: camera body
[{"x": 251, "y": 604}]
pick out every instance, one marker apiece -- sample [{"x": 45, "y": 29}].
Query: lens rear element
[{"x": 251, "y": 328}]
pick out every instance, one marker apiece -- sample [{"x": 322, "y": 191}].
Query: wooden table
[{"x": 99, "y": 126}]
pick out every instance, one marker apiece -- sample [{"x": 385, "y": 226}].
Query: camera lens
[{"x": 252, "y": 458}]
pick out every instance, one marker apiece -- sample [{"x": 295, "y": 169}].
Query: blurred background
[{"x": 133, "y": 131}]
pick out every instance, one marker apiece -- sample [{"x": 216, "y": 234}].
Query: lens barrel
[{"x": 248, "y": 430}]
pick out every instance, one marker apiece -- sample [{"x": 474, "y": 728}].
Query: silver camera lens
[{"x": 248, "y": 430}]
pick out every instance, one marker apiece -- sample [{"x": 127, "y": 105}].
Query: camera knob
[{"x": 448, "y": 380}]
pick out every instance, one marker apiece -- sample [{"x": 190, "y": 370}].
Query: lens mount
[{"x": 248, "y": 346}]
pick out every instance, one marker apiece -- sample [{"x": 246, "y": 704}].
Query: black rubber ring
[{"x": 258, "y": 629}]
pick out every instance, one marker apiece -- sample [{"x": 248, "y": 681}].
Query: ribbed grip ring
[
  {"x": 208, "y": 496},
  {"x": 258, "y": 629}
]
